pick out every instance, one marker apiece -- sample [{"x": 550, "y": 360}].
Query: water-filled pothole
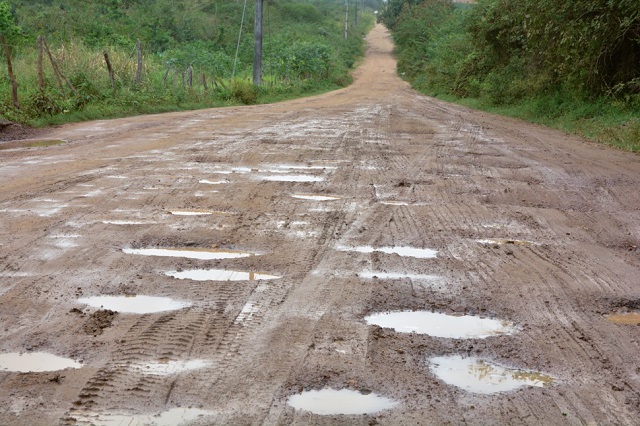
[
  {"x": 134, "y": 304},
  {"x": 397, "y": 276},
  {"x": 315, "y": 197},
  {"x": 345, "y": 401},
  {"x": 213, "y": 182},
  {"x": 172, "y": 417},
  {"x": 191, "y": 253},
  {"x": 220, "y": 275},
  {"x": 166, "y": 367},
  {"x": 292, "y": 178},
  {"x": 32, "y": 143},
  {"x": 191, "y": 212},
  {"x": 506, "y": 241},
  {"x": 441, "y": 325},
  {"x": 629, "y": 318},
  {"x": 35, "y": 362},
  {"x": 400, "y": 251},
  {"x": 480, "y": 376}
]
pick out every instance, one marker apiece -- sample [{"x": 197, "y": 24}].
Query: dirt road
[{"x": 372, "y": 199}]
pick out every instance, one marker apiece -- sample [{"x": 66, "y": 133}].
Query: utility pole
[
  {"x": 346, "y": 19},
  {"x": 257, "y": 49}
]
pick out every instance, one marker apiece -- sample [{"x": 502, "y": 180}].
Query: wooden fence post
[
  {"x": 57, "y": 72},
  {"x": 166, "y": 75},
  {"x": 204, "y": 83},
  {"x": 139, "y": 69},
  {"x": 12, "y": 77},
  {"x": 110, "y": 69},
  {"x": 190, "y": 76},
  {"x": 39, "y": 65}
]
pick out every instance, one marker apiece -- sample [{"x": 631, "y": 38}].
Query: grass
[{"x": 605, "y": 121}]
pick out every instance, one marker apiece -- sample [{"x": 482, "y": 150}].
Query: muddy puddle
[
  {"x": 292, "y": 178},
  {"x": 506, "y": 241},
  {"x": 220, "y": 275},
  {"x": 134, "y": 304},
  {"x": 35, "y": 362},
  {"x": 167, "y": 368},
  {"x": 312, "y": 197},
  {"x": 172, "y": 417},
  {"x": 191, "y": 212},
  {"x": 126, "y": 222},
  {"x": 400, "y": 251},
  {"x": 213, "y": 182},
  {"x": 397, "y": 276},
  {"x": 480, "y": 376},
  {"x": 329, "y": 402},
  {"x": 32, "y": 143},
  {"x": 191, "y": 253},
  {"x": 441, "y": 325},
  {"x": 629, "y": 318}
]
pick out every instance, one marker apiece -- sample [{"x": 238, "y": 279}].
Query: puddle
[
  {"x": 506, "y": 241},
  {"x": 35, "y": 362},
  {"x": 32, "y": 143},
  {"x": 166, "y": 368},
  {"x": 394, "y": 203},
  {"x": 293, "y": 178},
  {"x": 190, "y": 212},
  {"x": 134, "y": 304},
  {"x": 631, "y": 318},
  {"x": 305, "y": 167},
  {"x": 441, "y": 325},
  {"x": 175, "y": 416},
  {"x": 191, "y": 253},
  {"x": 478, "y": 376},
  {"x": 329, "y": 402},
  {"x": 126, "y": 222},
  {"x": 220, "y": 275},
  {"x": 315, "y": 197},
  {"x": 397, "y": 276},
  {"x": 213, "y": 182},
  {"x": 400, "y": 251}
]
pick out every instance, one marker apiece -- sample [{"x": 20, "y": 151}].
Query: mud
[{"x": 559, "y": 216}]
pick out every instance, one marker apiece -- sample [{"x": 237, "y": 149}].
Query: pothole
[
  {"x": 397, "y": 276},
  {"x": 190, "y": 212},
  {"x": 293, "y": 178},
  {"x": 315, "y": 197},
  {"x": 441, "y": 325},
  {"x": 126, "y": 222},
  {"x": 191, "y": 253},
  {"x": 394, "y": 203},
  {"x": 167, "y": 368},
  {"x": 134, "y": 304},
  {"x": 400, "y": 251},
  {"x": 329, "y": 402},
  {"x": 35, "y": 362},
  {"x": 479, "y": 376},
  {"x": 32, "y": 143},
  {"x": 629, "y": 318},
  {"x": 506, "y": 241},
  {"x": 172, "y": 417},
  {"x": 220, "y": 275}
]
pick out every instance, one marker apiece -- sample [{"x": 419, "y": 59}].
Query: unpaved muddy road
[{"x": 372, "y": 199}]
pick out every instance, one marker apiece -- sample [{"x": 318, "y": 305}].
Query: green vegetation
[
  {"x": 304, "y": 53},
  {"x": 574, "y": 65}
]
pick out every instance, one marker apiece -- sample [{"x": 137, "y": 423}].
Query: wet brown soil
[{"x": 529, "y": 226}]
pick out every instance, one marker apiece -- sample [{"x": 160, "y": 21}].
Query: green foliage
[
  {"x": 562, "y": 62},
  {"x": 8, "y": 25},
  {"x": 304, "y": 52}
]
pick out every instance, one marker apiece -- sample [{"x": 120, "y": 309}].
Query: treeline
[
  {"x": 195, "y": 53},
  {"x": 573, "y": 64}
]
